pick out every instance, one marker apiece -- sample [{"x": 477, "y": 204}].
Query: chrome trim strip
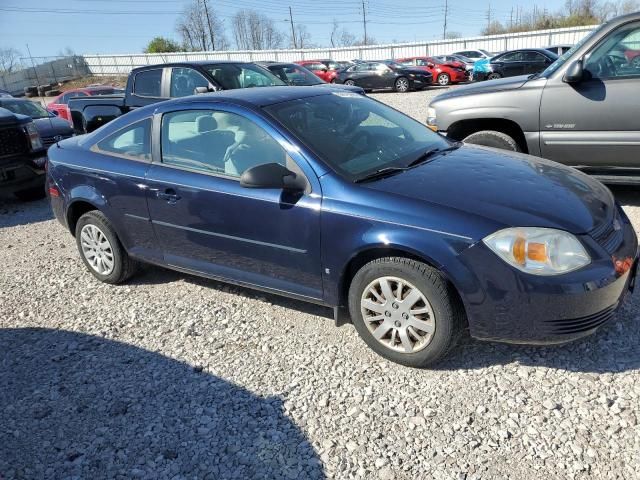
[{"x": 130, "y": 215}]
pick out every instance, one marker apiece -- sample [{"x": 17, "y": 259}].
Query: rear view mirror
[
  {"x": 574, "y": 73},
  {"x": 272, "y": 175},
  {"x": 431, "y": 65}
]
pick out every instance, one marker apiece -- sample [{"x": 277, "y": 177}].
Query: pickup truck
[
  {"x": 155, "y": 83},
  {"x": 22, "y": 157},
  {"x": 583, "y": 110}
]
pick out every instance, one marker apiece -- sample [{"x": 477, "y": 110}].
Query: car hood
[
  {"x": 502, "y": 84},
  {"x": 339, "y": 86},
  {"x": 509, "y": 188},
  {"x": 50, "y": 126}
]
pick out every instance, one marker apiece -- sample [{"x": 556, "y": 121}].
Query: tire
[
  {"x": 443, "y": 79},
  {"x": 445, "y": 313},
  {"x": 31, "y": 194},
  {"x": 492, "y": 138},
  {"x": 122, "y": 266},
  {"x": 333, "y": 80},
  {"x": 401, "y": 85},
  {"x": 494, "y": 76},
  {"x": 349, "y": 82}
]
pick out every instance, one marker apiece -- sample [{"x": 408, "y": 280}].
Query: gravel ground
[
  {"x": 411, "y": 103},
  {"x": 173, "y": 376}
]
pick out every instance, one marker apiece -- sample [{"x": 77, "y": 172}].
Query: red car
[
  {"x": 60, "y": 103},
  {"x": 444, "y": 73},
  {"x": 324, "y": 69}
]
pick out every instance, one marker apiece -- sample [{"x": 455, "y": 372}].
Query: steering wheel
[
  {"x": 355, "y": 141},
  {"x": 607, "y": 67}
]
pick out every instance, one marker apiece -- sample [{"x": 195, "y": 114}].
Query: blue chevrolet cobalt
[{"x": 334, "y": 198}]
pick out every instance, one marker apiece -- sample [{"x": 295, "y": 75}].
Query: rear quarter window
[{"x": 148, "y": 83}]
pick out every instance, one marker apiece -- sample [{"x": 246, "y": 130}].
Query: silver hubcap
[
  {"x": 397, "y": 314},
  {"x": 402, "y": 85},
  {"x": 494, "y": 76},
  {"x": 443, "y": 80},
  {"x": 96, "y": 249},
  {"x": 349, "y": 82}
]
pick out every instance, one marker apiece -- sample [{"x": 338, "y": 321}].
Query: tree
[
  {"x": 340, "y": 37},
  {"x": 162, "y": 45},
  {"x": 255, "y": 31},
  {"x": 303, "y": 38},
  {"x": 452, "y": 35},
  {"x": 9, "y": 60},
  {"x": 200, "y": 28}
]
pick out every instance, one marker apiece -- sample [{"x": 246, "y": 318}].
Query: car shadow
[
  {"x": 627, "y": 195},
  {"x": 79, "y": 406},
  {"x": 14, "y": 212}
]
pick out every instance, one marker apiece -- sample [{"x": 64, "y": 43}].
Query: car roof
[
  {"x": 540, "y": 50},
  {"x": 188, "y": 63}
]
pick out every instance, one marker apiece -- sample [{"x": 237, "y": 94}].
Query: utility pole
[
  {"x": 206, "y": 12},
  {"x": 444, "y": 28},
  {"x": 364, "y": 21},
  {"x": 511, "y": 19},
  {"x": 489, "y": 18},
  {"x": 293, "y": 31}
]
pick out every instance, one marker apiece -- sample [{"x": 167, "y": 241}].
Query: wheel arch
[
  {"x": 75, "y": 210},
  {"x": 463, "y": 128}
]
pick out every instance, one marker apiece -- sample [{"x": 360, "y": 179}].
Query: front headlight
[
  {"x": 539, "y": 251},
  {"x": 431, "y": 117}
]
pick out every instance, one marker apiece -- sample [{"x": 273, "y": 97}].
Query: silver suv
[{"x": 583, "y": 110}]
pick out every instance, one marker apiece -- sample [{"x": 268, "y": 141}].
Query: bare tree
[
  {"x": 303, "y": 38},
  {"x": 255, "y": 31},
  {"x": 9, "y": 60},
  {"x": 340, "y": 37},
  {"x": 200, "y": 28}
]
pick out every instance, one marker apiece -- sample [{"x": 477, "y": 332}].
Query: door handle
[{"x": 169, "y": 195}]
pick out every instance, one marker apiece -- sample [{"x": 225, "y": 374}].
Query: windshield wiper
[
  {"x": 429, "y": 154},
  {"x": 383, "y": 172}
]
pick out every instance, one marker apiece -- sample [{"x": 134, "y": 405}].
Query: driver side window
[{"x": 617, "y": 56}]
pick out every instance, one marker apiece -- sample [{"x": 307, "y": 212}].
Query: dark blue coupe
[{"x": 335, "y": 198}]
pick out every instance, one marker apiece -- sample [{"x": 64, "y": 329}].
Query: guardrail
[{"x": 110, "y": 65}]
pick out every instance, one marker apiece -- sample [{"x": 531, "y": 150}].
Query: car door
[
  {"x": 207, "y": 222},
  {"x": 534, "y": 62},
  {"x": 185, "y": 80},
  {"x": 364, "y": 75},
  {"x": 596, "y": 122},
  {"x": 149, "y": 86},
  {"x": 509, "y": 64}
]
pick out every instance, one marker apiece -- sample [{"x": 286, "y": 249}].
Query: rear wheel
[
  {"x": 495, "y": 139},
  {"x": 443, "y": 79},
  {"x": 405, "y": 311},
  {"x": 494, "y": 76},
  {"x": 349, "y": 82},
  {"x": 101, "y": 250},
  {"x": 401, "y": 85}
]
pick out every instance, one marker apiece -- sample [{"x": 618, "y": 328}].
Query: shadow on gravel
[
  {"x": 79, "y": 406},
  {"x": 626, "y": 194},
  {"x": 612, "y": 349},
  {"x": 14, "y": 212}
]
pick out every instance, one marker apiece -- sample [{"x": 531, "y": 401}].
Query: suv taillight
[{"x": 34, "y": 137}]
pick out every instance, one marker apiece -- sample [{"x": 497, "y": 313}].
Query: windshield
[
  {"x": 295, "y": 75},
  {"x": 25, "y": 107},
  {"x": 355, "y": 135},
  {"x": 565, "y": 56},
  {"x": 392, "y": 64},
  {"x": 240, "y": 75}
]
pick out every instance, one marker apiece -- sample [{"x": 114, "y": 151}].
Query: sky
[{"x": 125, "y": 26}]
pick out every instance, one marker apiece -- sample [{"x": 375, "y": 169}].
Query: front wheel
[
  {"x": 492, "y": 138},
  {"x": 443, "y": 79},
  {"x": 101, "y": 250},
  {"x": 494, "y": 76},
  {"x": 401, "y": 85},
  {"x": 405, "y": 311},
  {"x": 349, "y": 82}
]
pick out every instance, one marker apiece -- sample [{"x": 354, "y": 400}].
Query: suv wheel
[
  {"x": 101, "y": 250},
  {"x": 405, "y": 311},
  {"x": 492, "y": 138}
]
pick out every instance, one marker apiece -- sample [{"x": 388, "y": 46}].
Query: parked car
[
  {"x": 249, "y": 187},
  {"x": 385, "y": 75},
  {"x": 325, "y": 69},
  {"x": 156, "y": 83},
  {"x": 22, "y": 157},
  {"x": 50, "y": 128},
  {"x": 466, "y": 62},
  {"x": 60, "y": 104},
  {"x": 443, "y": 72},
  {"x": 474, "y": 54},
  {"x": 513, "y": 63},
  {"x": 5, "y": 94},
  {"x": 581, "y": 111},
  {"x": 559, "y": 49},
  {"x": 297, "y": 75}
]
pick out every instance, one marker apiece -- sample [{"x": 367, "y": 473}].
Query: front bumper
[
  {"x": 480, "y": 76},
  {"x": 23, "y": 173},
  {"x": 505, "y": 304}
]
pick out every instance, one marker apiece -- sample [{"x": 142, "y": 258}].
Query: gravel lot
[{"x": 173, "y": 376}]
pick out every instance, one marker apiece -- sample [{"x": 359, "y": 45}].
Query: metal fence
[
  {"x": 51, "y": 70},
  {"x": 110, "y": 65}
]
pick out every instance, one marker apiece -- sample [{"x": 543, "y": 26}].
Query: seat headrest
[{"x": 206, "y": 123}]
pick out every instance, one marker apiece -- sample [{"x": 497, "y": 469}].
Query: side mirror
[
  {"x": 431, "y": 65},
  {"x": 199, "y": 90},
  {"x": 574, "y": 73},
  {"x": 272, "y": 175}
]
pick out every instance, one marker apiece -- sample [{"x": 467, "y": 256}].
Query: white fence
[{"x": 109, "y": 65}]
